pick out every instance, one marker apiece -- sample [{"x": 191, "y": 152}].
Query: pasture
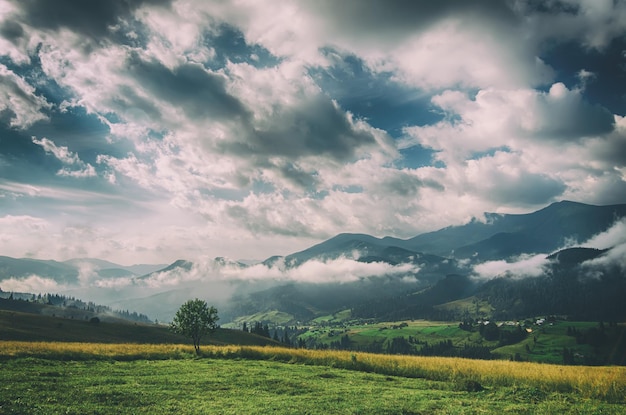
[{"x": 78, "y": 378}]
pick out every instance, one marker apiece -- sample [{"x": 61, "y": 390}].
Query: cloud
[
  {"x": 92, "y": 19},
  {"x": 214, "y": 279},
  {"x": 449, "y": 43},
  {"x": 521, "y": 267},
  {"x": 341, "y": 270},
  {"x": 614, "y": 259},
  {"x": 510, "y": 117},
  {"x": 594, "y": 23},
  {"x": 612, "y": 237},
  {"x": 505, "y": 178},
  {"x": 397, "y": 19},
  {"x": 522, "y": 146},
  {"x": 116, "y": 283},
  {"x": 21, "y": 234},
  {"x": 294, "y": 121},
  {"x": 211, "y": 271},
  {"x": 453, "y": 55},
  {"x": 19, "y": 103},
  {"x": 614, "y": 241},
  {"x": 11, "y": 31},
  {"x": 188, "y": 86},
  {"x": 611, "y": 148},
  {"x": 63, "y": 154},
  {"x": 234, "y": 120},
  {"x": 568, "y": 116},
  {"x": 31, "y": 284}
]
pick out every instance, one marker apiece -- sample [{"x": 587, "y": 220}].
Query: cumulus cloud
[
  {"x": 317, "y": 271},
  {"x": 340, "y": 270},
  {"x": 521, "y": 267},
  {"x": 520, "y": 146},
  {"x": 211, "y": 121},
  {"x": 509, "y": 117},
  {"x": 31, "y": 284},
  {"x": 510, "y": 180},
  {"x": 426, "y": 45}
]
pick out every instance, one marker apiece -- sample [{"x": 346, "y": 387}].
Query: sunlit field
[{"x": 304, "y": 380}]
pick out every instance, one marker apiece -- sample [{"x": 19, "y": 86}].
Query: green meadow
[
  {"x": 92, "y": 378},
  {"x": 52, "y": 365}
]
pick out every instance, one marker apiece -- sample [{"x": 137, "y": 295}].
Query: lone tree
[{"x": 195, "y": 319}]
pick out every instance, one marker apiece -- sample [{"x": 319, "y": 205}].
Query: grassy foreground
[{"x": 108, "y": 378}]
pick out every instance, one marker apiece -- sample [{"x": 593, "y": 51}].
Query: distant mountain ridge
[
  {"x": 500, "y": 236},
  {"x": 439, "y": 269},
  {"x": 69, "y": 271}
]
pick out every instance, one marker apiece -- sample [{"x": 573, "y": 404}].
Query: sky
[{"x": 144, "y": 131}]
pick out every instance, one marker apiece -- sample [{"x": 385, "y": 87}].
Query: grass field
[
  {"x": 544, "y": 344},
  {"x": 34, "y": 327},
  {"x": 75, "y": 378},
  {"x": 362, "y": 335}
]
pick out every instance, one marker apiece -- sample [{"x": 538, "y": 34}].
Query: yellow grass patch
[{"x": 605, "y": 382}]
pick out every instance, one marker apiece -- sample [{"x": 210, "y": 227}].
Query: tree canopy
[{"x": 195, "y": 319}]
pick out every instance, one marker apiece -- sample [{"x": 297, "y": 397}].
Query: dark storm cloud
[
  {"x": 263, "y": 220},
  {"x": 199, "y": 92},
  {"x": 529, "y": 189},
  {"x": 607, "y": 86},
  {"x": 611, "y": 149},
  {"x": 579, "y": 119},
  {"x": 133, "y": 105},
  {"x": 312, "y": 127},
  {"x": 11, "y": 30},
  {"x": 91, "y": 18},
  {"x": 381, "y": 18},
  {"x": 297, "y": 176},
  {"x": 408, "y": 185}
]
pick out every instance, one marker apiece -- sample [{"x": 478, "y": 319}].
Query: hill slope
[{"x": 21, "y": 326}]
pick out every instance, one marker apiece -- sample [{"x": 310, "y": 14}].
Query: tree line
[{"x": 63, "y": 301}]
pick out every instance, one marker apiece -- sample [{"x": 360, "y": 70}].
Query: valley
[
  {"x": 513, "y": 314},
  {"x": 438, "y": 293}
]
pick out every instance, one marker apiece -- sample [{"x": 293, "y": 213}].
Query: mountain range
[{"x": 501, "y": 265}]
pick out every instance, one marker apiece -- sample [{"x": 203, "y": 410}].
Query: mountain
[
  {"x": 102, "y": 265},
  {"x": 342, "y": 245},
  {"x": 441, "y": 274},
  {"x": 70, "y": 271},
  {"x": 498, "y": 236},
  {"x": 24, "y": 267},
  {"x": 571, "y": 285},
  {"x": 161, "y": 306},
  {"x": 506, "y": 235},
  {"x": 446, "y": 260},
  {"x": 179, "y": 264},
  {"x": 576, "y": 256}
]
